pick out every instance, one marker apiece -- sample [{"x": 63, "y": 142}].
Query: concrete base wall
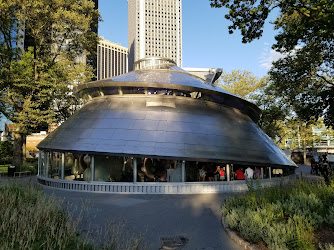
[{"x": 161, "y": 187}]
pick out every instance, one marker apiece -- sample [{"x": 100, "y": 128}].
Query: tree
[
  {"x": 241, "y": 83},
  {"x": 300, "y": 134},
  {"x": 304, "y": 77},
  {"x": 274, "y": 112},
  {"x": 60, "y": 35},
  {"x": 259, "y": 91},
  {"x": 6, "y": 151}
]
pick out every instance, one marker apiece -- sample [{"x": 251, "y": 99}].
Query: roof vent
[{"x": 154, "y": 63}]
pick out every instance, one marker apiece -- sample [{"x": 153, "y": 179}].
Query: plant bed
[
  {"x": 294, "y": 216},
  {"x": 323, "y": 237},
  {"x": 31, "y": 220}
]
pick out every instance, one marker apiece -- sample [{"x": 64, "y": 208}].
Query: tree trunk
[
  {"x": 17, "y": 147},
  {"x": 304, "y": 151},
  {"x": 24, "y": 149}
]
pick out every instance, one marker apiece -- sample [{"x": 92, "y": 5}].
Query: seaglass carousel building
[{"x": 151, "y": 131}]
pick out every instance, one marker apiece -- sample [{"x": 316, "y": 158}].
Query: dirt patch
[
  {"x": 323, "y": 236},
  {"x": 262, "y": 245}
]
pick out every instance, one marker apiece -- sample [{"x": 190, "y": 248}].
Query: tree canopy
[
  {"x": 58, "y": 36},
  {"x": 304, "y": 77},
  {"x": 242, "y": 83}
]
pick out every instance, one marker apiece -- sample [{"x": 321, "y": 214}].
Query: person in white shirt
[{"x": 249, "y": 173}]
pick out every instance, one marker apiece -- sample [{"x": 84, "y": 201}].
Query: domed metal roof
[{"x": 165, "y": 112}]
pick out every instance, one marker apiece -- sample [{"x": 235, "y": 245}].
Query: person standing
[
  {"x": 202, "y": 173},
  {"x": 222, "y": 174},
  {"x": 249, "y": 173},
  {"x": 239, "y": 174},
  {"x": 216, "y": 174}
]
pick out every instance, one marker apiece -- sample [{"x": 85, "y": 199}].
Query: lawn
[{"x": 4, "y": 167}]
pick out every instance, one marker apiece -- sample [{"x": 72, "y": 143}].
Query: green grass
[
  {"x": 4, "y": 167},
  {"x": 28, "y": 166},
  {"x": 283, "y": 217},
  {"x": 31, "y": 220}
]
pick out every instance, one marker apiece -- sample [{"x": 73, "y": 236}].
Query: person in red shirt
[{"x": 239, "y": 175}]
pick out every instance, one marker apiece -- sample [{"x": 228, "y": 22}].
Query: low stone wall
[{"x": 161, "y": 187}]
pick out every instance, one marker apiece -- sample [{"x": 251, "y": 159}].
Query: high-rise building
[
  {"x": 112, "y": 59},
  {"x": 154, "y": 30}
]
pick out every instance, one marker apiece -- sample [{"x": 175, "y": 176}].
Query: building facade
[
  {"x": 154, "y": 30},
  {"x": 112, "y": 59}
]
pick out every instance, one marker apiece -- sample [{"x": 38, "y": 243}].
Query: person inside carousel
[
  {"x": 239, "y": 175},
  {"x": 222, "y": 174},
  {"x": 202, "y": 173},
  {"x": 257, "y": 173},
  {"x": 216, "y": 173},
  {"x": 249, "y": 173}
]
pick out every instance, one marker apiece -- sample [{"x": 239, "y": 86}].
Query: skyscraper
[
  {"x": 154, "y": 29},
  {"x": 112, "y": 59}
]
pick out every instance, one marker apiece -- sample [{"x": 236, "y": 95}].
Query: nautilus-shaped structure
[{"x": 144, "y": 125}]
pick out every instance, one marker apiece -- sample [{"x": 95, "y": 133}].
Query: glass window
[
  {"x": 75, "y": 166},
  {"x": 183, "y": 93},
  {"x": 113, "y": 168},
  {"x": 133, "y": 90},
  {"x": 55, "y": 167},
  {"x": 158, "y": 170},
  {"x": 158, "y": 91},
  {"x": 110, "y": 91}
]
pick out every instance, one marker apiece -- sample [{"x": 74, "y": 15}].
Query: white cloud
[{"x": 269, "y": 56}]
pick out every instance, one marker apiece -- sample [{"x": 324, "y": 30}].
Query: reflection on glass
[
  {"x": 218, "y": 99},
  {"x": 56, "y": 165},
  {"x": 158, "y": 170},
  {"x": 133, "y": 90},
  {"x": 110, "y": 90},
  {"x": 112, "y": 169},
  {"x": 158, "y": 91},
  {"x": 182, "y": 93},
  {"x": 192, "y": 174},
  {"x": 69, "y": 162},
  {"x": 42, "y": 169},
  {"x": 93, "y": 92}
]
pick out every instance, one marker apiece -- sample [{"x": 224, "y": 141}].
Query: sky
[{"x": 206, "y": 42}]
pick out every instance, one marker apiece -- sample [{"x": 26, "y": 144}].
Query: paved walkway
[{"x": 195, "y": 217}]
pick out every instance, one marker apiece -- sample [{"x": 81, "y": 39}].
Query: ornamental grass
[
  {"x": 31, "y": 220},
  {"x": 283, "y": 217}
]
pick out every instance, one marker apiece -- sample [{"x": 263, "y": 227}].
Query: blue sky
[{"x": 206, "y": 42}]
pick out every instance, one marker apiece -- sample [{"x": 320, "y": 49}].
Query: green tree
[
  {"x": 6, "y": 151},
  {"x": 241, "y": 83},
  {"x": 274, "y": 112},
  {"x": 299, "y": 133},
  {"x": 304, "y": 77},
  {"x": 61, "y": 36}
]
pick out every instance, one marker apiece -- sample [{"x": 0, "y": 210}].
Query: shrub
[
  {"x": 32, "y": 167},
  {"x": 250, "y": 226},
  {"x": 330, "y": 217},
  {"x": 284, "y": 217},
  {"x": 6, "y": 152}
]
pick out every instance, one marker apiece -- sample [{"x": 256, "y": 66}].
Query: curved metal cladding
[{"x": 217, "y": 127}]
